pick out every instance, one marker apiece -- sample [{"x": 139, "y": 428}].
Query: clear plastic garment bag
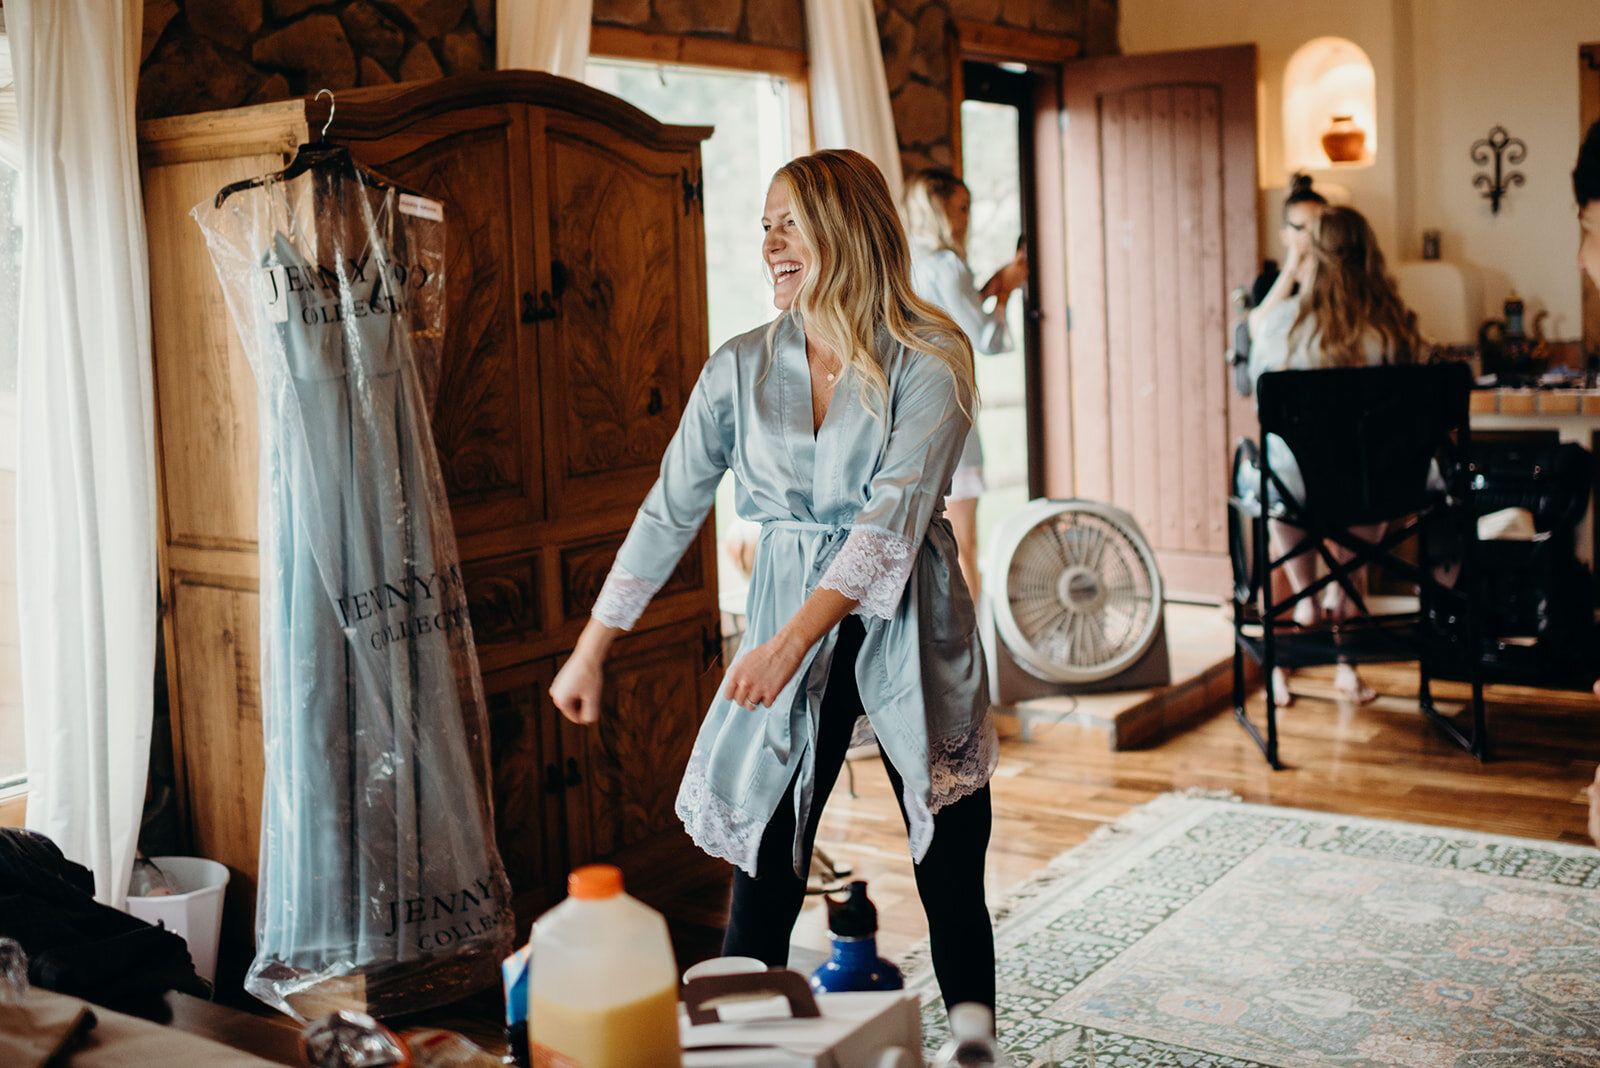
[{"x": 379, "y": 880}]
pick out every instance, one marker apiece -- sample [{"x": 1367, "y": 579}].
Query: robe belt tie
[{"x": 820, "y": 551}]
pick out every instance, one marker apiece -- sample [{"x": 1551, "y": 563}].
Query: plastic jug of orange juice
[{"x": 604, "y": 989}]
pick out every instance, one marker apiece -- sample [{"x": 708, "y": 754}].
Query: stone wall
[
  {"x": 206, "y": 54},
  {"x": 200, "y": 55}
]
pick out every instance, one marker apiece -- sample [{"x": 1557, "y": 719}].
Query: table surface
[{"x": 1535, "y": 402}]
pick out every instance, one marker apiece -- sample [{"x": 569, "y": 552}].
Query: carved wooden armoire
[{"x": 575, "y": 331}]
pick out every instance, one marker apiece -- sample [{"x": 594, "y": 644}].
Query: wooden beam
[
  {"x": 1000, "y": 44},
  {"x": 621, "y": 43},
  {"x": 958, "y": 93},
  {"x": 1589, "y": 113}
]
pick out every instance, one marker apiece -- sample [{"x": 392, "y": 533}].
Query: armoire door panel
[
  {"x": 584, "y": 568},
  {"x": 524, "y": 759},
  {"x": 622, "y": 774},
  {"x": 205, "y": 390},
  {"x": 618, "y": 227},
  {"x": 485, "y": 415},
  {"x": 216, "y": 711},
  {"x": 504, "y": 600}
]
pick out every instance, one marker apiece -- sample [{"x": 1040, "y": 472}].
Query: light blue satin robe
[{"x": 851, "y": 509}]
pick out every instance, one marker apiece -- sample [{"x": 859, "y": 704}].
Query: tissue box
[{"x": 772, "y": 1018}]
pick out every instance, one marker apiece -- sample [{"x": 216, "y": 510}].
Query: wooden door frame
[
  {"x": 1047, "y": 324},
  {"x": 1588, "y": 115}
]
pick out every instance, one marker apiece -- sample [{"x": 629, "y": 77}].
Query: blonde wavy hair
[
  {"x": 860, "y": 277},
  {"x": 927, "y": 212},
  {"x": 1353, "y": 295}
]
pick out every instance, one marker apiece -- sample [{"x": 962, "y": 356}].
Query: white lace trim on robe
[
  {"x": 623, "y": 598},
  {"x": 872, "y": 568},
  {"x": 716, "y": 826},
  {"x": 958, "y": 767}
]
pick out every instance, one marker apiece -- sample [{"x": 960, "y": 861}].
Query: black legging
[{"x": 949, "y": 878}]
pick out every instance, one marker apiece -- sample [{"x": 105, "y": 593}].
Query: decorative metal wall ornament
[{"x": 1502, "y": 146}]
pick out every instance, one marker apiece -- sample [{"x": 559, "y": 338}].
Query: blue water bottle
[{"x": 855, "y": 964}]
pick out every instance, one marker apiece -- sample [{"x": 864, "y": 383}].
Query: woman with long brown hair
[
  {"x": 842, "y": 422},
  {"x": 1346, "y": 313}
]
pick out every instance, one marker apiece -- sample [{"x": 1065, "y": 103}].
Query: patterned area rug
[{"x": 1205, "y": 933}]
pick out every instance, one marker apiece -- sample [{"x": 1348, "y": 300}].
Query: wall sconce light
[{"x": 1497, "y": 145}]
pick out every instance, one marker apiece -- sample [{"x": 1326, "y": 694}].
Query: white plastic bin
[{"x": 195, "y": 913}]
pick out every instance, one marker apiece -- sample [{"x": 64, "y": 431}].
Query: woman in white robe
[
  {"x": 938, "y": 211},
  {"x": 842, "y": 422}
]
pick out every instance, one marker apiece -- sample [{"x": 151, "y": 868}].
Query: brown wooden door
[
  {"x": 1588, "y": 114},
  {"x": 621, "y": 776},
  {"x": 625, "y": 320},
  {"x": 1161, "y": 224}
]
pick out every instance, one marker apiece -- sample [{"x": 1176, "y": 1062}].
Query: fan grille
[{"x": 1083, "y": 595}]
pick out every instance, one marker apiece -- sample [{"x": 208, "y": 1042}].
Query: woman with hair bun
[
  {"x": 842, "y": 421},
  {"x": 1299, "y": 208}
]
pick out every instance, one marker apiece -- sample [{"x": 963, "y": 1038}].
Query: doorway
[{"x": 998, "y": 164}]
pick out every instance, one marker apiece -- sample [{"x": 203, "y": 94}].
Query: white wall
[
  {"x": 1482, "y": 62},
  {"x": 1446, "y": 72}
]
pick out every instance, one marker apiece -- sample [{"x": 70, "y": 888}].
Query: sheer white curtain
[
  {"x": 849, "y": 91},
  {"x": 548, "y": 35},
  {"x": 86, "y": 575}
]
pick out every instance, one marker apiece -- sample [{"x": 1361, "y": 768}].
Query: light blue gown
[
  {"x": 854, "y": 509},
  {"x": 377, "y": 848}
]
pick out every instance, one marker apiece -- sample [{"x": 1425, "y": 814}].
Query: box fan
[{"x": 1072, "y": 604}]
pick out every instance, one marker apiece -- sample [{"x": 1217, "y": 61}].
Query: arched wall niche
[{"x": 1327, "y": 77}]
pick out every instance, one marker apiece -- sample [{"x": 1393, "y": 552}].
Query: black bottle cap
[{"x": 855, "y": 916}]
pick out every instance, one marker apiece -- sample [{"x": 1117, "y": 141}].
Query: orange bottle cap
[{"x": 594, "y": 882}]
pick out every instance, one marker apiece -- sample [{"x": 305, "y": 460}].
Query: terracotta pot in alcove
[{"x": 1343, "y": 140}]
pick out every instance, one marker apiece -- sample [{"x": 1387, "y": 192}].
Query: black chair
[{"x": 1368, "y": 442}]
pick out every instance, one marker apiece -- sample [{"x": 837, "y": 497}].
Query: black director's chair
[{"x": 1373, "y": 444}]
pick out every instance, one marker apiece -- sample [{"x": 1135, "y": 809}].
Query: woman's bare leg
[
  {"x": 1335, "y": 601},
  {"x": 1339, "y": 606},
  {"x": 963, "y": 516},
  {"x": 1300, "y": 572}
]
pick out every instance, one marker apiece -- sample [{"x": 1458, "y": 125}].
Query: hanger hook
[{"x": 324, "y": 135}]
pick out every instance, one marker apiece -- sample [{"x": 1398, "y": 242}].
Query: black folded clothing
[{"x": 78, "y": 946}]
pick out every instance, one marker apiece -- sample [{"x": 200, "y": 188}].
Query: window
[
  {"x": 13, "y": 768},
  {"x": 991, "y": 168},
  {"x": 751, "y": 111}
]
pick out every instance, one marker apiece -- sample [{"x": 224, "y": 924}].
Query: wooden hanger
[{"x": 321, "y": 154}]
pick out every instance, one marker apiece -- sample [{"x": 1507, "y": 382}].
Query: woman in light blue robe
[{"x": 842, "y": 436}]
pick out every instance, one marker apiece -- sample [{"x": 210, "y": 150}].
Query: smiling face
[
  {"x": 785, "y": 251},
  {"x": 1589, "y": 247}
]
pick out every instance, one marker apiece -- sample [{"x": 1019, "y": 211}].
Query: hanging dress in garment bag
[{"x": 377, "y": 855}]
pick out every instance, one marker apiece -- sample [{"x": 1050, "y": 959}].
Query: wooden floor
[{"x": 1381, "y": 760}]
